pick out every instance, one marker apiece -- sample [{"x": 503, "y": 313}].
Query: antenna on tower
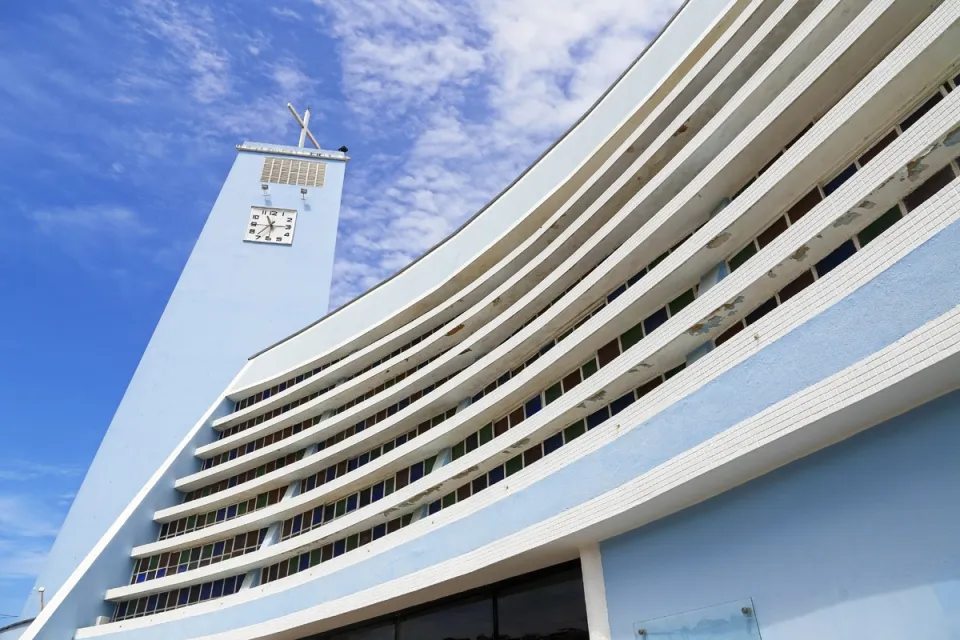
[{"x": 304, "y": 130}]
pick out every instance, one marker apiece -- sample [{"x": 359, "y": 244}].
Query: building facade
[{"x": 694, "y": 374}]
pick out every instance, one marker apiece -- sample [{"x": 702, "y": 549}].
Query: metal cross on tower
[{"x": 304, "y": 131}]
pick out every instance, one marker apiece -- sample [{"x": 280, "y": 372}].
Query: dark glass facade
[{"x": 544, "y": 605}]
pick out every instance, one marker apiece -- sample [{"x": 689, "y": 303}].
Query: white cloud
[
  {"x": 28, "y": 524},
  {"x": 30, "y": 514},
  {"x": 108, "y": 221},
  {"x": 110, "y": 241},
  {"x": 474, "y": 91},
  {"x": 286, "y": 12},
  {"x": 234, "y": 88},
  {"x": 257, "y": 42},
  {"x": 290, "y": 79},
  {"x": 398, "y": 54},
  {"x": 23, "y": 471},
  {"x": 18, "y": 560},
  {"x": 25, "y": 517},
  {"x": 190, "y": 32}
]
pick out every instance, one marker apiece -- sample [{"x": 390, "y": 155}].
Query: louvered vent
[{"x": 289, "y": 171}]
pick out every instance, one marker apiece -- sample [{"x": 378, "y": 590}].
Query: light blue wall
[
  {"x": 861, "y": 540},
  {"x": 233, "y": 298},
  {"x": 922, "y": 286},
  {"x": 503, "y": 213}
]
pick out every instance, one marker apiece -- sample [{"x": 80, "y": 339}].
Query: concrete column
[
  {"x": 724, "y": 202},
  {"x": 707, "y": 282},
  {"x": 698, "y": 353},
  {"x": 720, "y": 271},
  {"x": 595, "y": 592},
  {"x": 329, "y": 413},
  {"x": 711, "y": 278},
  {"x": 443, "y": 458}
]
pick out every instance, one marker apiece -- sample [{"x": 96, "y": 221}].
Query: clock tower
[{"x": 260, "y": 270}]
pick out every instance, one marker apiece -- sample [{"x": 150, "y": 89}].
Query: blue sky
[{"x": 117, "y": 126}]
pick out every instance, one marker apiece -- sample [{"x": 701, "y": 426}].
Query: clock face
[{"x": 272, "y": 226}]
